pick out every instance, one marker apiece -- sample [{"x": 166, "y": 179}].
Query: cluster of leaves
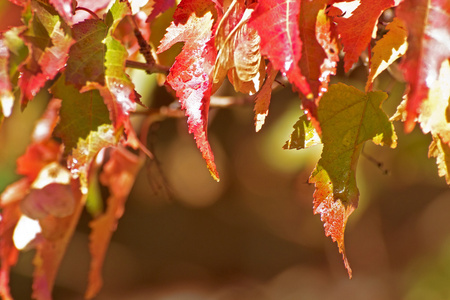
[{"x": 85, "y": 134}]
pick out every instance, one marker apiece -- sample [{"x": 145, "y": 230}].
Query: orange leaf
[{"x": 118, "y": 175}]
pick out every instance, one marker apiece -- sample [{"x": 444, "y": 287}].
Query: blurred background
[{"x": 253, "y": 235}]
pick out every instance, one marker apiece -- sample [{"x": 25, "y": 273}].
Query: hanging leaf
[
  {"x": 262, "y": 100},
  {"x": 237, "y": 46},
  {"x": 320, "y": 52},
  {"x": 49, "y": 46},
  {"x": 191, "y": 74},
  {"x": 80, "y": 113},
  {"x": 356, "y": 26},
  {"x": 56, "y": 233},
  {"x": 428, "y": 25},
  {"x": 118, "y": 176},
  {"x": 86, "y": 150},
  {"x": 303, "y": 136},
  {"x": 87, "y": 55},
  {"x": 280, "y": 39},
  {"x": 348, "y": 118},
  {"x": 388, "y": 49}
]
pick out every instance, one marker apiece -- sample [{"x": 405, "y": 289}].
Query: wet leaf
[{"x": 191, "y": 74}]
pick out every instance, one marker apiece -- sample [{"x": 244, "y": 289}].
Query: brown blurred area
[{"x": 253, "y": 235}]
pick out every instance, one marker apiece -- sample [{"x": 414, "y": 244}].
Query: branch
[{"x": 149, "y": 68}]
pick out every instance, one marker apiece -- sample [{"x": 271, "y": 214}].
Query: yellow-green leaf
[{"x": 348, "y": 117}]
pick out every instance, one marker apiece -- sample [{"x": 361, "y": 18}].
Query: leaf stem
[{"x": 93, "y": 14}]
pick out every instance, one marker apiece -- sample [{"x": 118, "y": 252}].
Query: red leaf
[
  {"x": 56, "y": 233},
  {"x": 356, "y": 27},
  {"x": 320, "y": 52},
  {"x": 118, "y": 175},
  {"x": 277, "y": 24},
  {"x": 49, "y": 47},
  {"x": 6, "y": 95},
  {"x": 428, "y": 25},
  {"x": 9, "y": 216},
  {"x": 36, "y": 157},
  {"x": 65, "y": 8},
  {"x": 191, "y": 74},
  {"x": 159, "y": 7}
]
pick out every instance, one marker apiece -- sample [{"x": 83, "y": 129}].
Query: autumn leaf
[
  {"x": 56, "y": 233},
  {"x": 159, "y": 7},
  {"x": 191, "y": 74},
  {"x": 441, "y": 151},
  {"x": 355, "y": 26},
  {"x": 237, "y": 46},
  {"x": 434, "y": 110},
  {"x": 9, "y": 217},
  {"x": 303, "y": 136},
  {"x": 276, "y": 21},
  {"x": 428, "y": 25},
  {"x": 86, "y": 56},
  {"x": 6, "y": 95},
  {"x": 49, "y": 46},
  {"x": 65, "y": 8},
  {"x": 80, "y": 113},
  {"x": 86, "y": 150},
  {"x": 320, "y": 52},
  {"x": 387, "y": 50},
  {"x": 118, "y": 176},
  {"x": 262, "y": 99},
  {"x": 348, "y": 118}
]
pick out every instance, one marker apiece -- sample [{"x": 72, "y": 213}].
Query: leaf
[
  {"x": 348, "y": 118},
  {"x": 9, "y": 217},
  {"x": 237, "y": 45},
  {"x": 276, "y": 21},
  {"x": 159, "y": 7},
  {"x": 49, "y": 47},
  {"x": 88, "y": 148},
  {"x": 262, "y": 99},
  {"x": 80, "y": 113},
  {"x": 56, "y": 233},
  {"x": 355, "y": 28},
  {"x": 320, "y": 52},
  {"x": 6, "y": 95},
  {"x": 118, "y": 175},
  {"x": 434, "y": 110},
  {"x": 191, "y": 74},
  {"x": 86, "y": 56},
  {"x": 43, "y": 149},
  {"x": 428, "y": 25},
  {"x": 388, "y": 49},
  {"x": 441, "y": 151},
  {"x": 50, "y": 194},
  {"x": 65, "y": 8},
  {"x": 303, "y": 136}
]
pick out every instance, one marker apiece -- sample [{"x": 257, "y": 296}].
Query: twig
[{"x": 150, "y": 69}]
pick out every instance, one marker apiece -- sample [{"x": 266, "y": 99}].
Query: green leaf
[
  {"x": 80, "y": 113},
  {"x": 303, "y": 136},
  {"x": 348, "y": 118},
  {"x": 87, "y": 55}
]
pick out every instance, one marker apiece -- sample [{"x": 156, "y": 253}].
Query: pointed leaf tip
[{"x": 348, "y": 118}]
